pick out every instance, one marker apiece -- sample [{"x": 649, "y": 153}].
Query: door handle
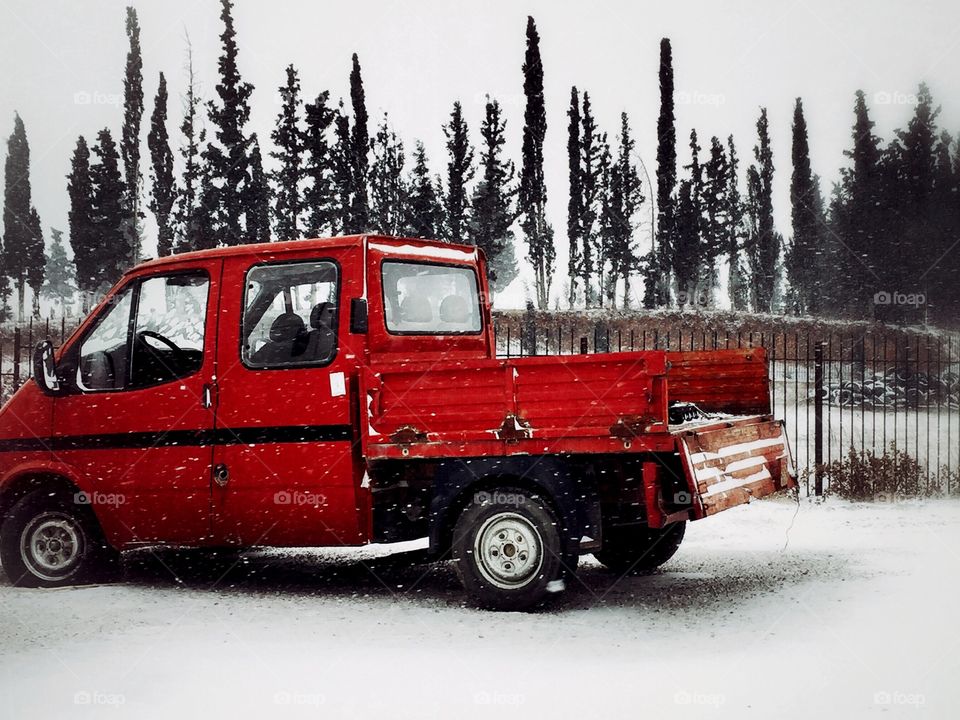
[
  {"x": 206, "y": 401},
  {"x": 221, "y": 475}
]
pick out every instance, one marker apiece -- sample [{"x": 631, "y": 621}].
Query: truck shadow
[{"x": 704, "y": 581}]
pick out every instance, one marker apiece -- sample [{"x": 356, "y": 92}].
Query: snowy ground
[{"x": 851, "y": 611}]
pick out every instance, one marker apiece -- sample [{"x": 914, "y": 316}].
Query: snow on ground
[{"x": 769, "y": 611}]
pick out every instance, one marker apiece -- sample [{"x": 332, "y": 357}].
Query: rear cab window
[{"x": 430, "y": 299}]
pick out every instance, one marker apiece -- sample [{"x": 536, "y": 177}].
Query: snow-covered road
[{"x": 856, "y": 617}]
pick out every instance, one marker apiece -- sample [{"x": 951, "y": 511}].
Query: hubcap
[
  {"x": 51, "y": 545},
  {"x": 508, "y": 550}
]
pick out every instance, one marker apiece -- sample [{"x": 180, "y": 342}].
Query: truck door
[
  {"x": 136, "y": 419},
  {"x": 286, "y": 465}
]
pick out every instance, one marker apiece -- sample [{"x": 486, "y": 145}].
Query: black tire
[
  {"x": 523, "y": 549},
  {"x": 52, "y": 541},
  {"x": 638, "y": 549}
]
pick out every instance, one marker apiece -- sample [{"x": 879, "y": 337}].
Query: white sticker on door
[{"x": 338, "y": 385}]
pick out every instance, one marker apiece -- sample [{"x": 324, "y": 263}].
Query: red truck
[{"x": 344, "y": 391}]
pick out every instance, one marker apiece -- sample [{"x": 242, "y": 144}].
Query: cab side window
[
  {"x": 151, "y": 333},
  {"x": 290, "y": 315}
]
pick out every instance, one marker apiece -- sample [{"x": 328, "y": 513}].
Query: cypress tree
[
  {"x": 130, "y": 136},
  {"x": 489, "y": 226},
  {"x": 36, "y": 260},
  {"x": 288, "y": 137},
  {"x": 109, "y": 217},
  {"x": 163, "y": 190},
  {"x": 533, "y": 191},
  {"x": 187, "y": 226},
  {"x": 257, "y": 197},
  {"x": 625, "y": 198},
  {"x": 460, "y": 171},
  {"x": 359, "y": 146},
  {"x": 343, "y": 173},
  {"x": 83, "y": 233},
  {"x": 803, "y": 260},
  {"x": 763, "y": 250},
  {"x": 689, "y": 257},
  {"x": 424, "y": 211},
  {"x": 735, "y": 233},
  {"x": 575, "y": 201},
  {"x": 319, "y": 195},
  {"x": 595, "y": 153},
  {"x": 388, "y": 192},
  {"x": 17, "y": 205},
  {"x": 228, "y": 161},
  {"x": 715, "y": 207},
  {"x": 58, "y": 280},
  {"x": 666, "y": 181}
]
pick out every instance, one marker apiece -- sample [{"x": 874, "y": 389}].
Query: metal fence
[{"x": 839, "y": 392}]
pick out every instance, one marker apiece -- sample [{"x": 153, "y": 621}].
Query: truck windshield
[{"x": 428, "y": 299}]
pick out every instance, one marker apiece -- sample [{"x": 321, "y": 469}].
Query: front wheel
[
  {"x": 638, "y": 549},
  {"x": 50, "y": 541},
  {"x": 507, "y": 549}
]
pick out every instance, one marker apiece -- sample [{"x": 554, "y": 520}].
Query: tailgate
[{"x": 735, "y": 462}]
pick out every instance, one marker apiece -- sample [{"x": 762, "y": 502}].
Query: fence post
[
  {"x": 583, "y": 346},
  {"x": 818, "y": 418},
  {"x": 16, "y": 358}
]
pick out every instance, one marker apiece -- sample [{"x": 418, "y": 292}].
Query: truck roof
[{"x": 412, "y": 246}]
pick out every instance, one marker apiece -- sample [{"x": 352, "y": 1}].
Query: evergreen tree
[
  {"x": 424, "y": 212},
  {"x": 689, "y": 257},
  {"x": 533, "y": 191},
  {"x": 459, "y": 172},
  {"x": 83, "y": 231},
  {"x": 388, "y": 191},
  {"x": 762, "y": 247},
  {"x": 163, "y": 191},
  {"x": 575, "y": 201},
  {"x": 661, "y": 261},
  {"x": 595, "y": 157},
  {"x": 715, "y": 207},
  {"x": 343, "y": 174},
  {"x": 36, "y": 260},
  {"x": 489, "y": 225},
  {"x": 109, "y": 217},
  {"x": 735, "y": 234},
  {"x": 189, "y": 196},
  {"x": 319, "y": 196},
  {"x": 227, "y": 160},
  {"x": 625, "y": 198},
  {"x": 58, "y": 280},
  {"x": 803, "y": 258},
  {"x": 256, "y": 200},
  {"x": 130, "y": 137},
  {"x": 289, "y": 138},
  {"x": 18, "y": 236},
  {"x": 359, "y": 146}
]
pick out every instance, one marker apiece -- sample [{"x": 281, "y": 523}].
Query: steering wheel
[{"x": 178, "y": 351}]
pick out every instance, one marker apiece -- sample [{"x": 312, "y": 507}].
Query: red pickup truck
[{"x": 344, "y": 391}]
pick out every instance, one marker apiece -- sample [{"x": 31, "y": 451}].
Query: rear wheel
[
  {"x": 50, "y": 541},
  {"x": 507, "y": 549},
  {"x": 638, "y": 549}
]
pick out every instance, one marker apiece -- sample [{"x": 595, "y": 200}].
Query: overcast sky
[{"x": 730, "y": 59}]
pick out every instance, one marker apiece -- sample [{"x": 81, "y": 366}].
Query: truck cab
[{"x": 337, "y": 392}]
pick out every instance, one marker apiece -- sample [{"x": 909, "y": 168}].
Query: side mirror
[
  {"x": 45, "y": 368},
  {"x": 358, "y": 316}
]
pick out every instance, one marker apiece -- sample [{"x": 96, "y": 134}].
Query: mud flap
[{"x": 737, "y": 463}]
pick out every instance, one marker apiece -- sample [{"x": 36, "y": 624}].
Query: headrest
[
  {"x": 287, "y": 327},
  {"x": 322, "y": 316},
  {"x": 454, "y": 309},
  {"x": 416, "y": 309}
]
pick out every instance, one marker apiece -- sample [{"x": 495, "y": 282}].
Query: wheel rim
[
  {"x": 508, "y": 550},
  {"x": 51, "y": 545}
]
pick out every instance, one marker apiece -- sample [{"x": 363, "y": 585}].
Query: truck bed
[{"x": 582, "y": 404}]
